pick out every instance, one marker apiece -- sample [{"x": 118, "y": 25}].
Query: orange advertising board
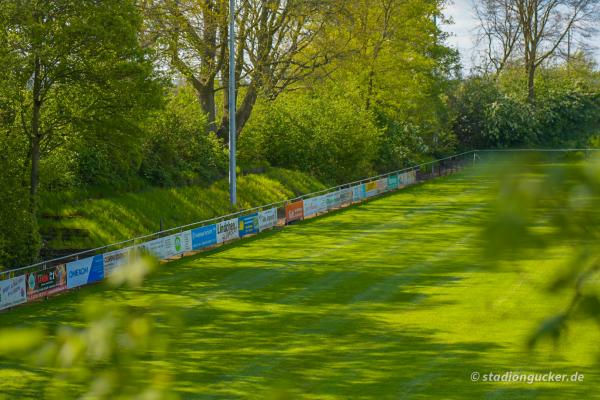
[{"x": 294, "y": 211}]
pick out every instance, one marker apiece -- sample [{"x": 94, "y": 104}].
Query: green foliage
[
  {"x": 19, "y": 239},
  {"x": 178, "y": 151},
  {"x": 107, "y": 165},
  {"x": 325, "y": 135},
  {"x": 569, "y": 104},
  {"x": 74, "y": 87},
  {"x": 594, "y": 142},
  {"x": 404, "y": 144},
  {"x": 114, "y": 353},
  {"x": 394, "y": 63},
  {"x": 59, "y": 170},
  {"x": 77, "y": 80},
  {"x": 401, "y": 145},
  {"x": 545, "y": 208},
  {"x": 110, "y": 219},
  {"x": 488, "y": 118},
  {"x": 495, "y": 113}
]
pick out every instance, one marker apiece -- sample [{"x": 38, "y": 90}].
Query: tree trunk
[
  {"x": 36, "y": 137},
  {"x": 245, "y": 109},
  {"x": 370, "y": 85},
  {"x": 223, "y": 131},
  {"x": 242, "y": 115},
  {"x": 35, "y": 172},
  {"x": 210, "y": 12},
  {"x": 531, "y": 69},
  {"x": 206, "y": 96}
]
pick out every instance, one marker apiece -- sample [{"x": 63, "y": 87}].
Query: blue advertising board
[
  {"x": 205, "y": 236},
  {"x": 248, "y": 224},
  {"x": 393, "y": 182},
  {"x": 83, "y": 272},
  {"x": 359, "y": 192},
  {"x": 333, "y": 200}
]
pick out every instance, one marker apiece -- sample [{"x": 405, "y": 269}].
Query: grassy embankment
[{"x": 71, "y": 221}]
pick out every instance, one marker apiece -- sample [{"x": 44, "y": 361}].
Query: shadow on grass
[{"x": 322, "y": 309}]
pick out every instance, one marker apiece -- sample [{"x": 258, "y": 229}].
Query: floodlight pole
[{"x": 232, "y": 107}]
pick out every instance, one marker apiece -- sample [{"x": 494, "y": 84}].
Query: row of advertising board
[
  {"x": 327, "y": 202},
  {"x": 40, "y": 284},
  {"x": 310, "y": 207}
]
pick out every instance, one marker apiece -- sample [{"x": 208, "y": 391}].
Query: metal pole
[{"x": 232, "y": 107}]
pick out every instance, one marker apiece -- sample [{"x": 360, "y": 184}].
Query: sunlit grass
[
  {"x": 386, "y": 300},
  {"x": 114, "y": 219}
]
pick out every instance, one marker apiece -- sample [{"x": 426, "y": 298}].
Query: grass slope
[
  {"x": 385, "y": 300},
  {"x": 113, "y": 219}
]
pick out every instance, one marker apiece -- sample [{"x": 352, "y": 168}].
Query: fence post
[{"x": 135, "y": 252}]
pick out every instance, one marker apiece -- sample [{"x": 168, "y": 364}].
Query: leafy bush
[
  {"x": 406, "y": 142},
  {"x": 178, "y": 151},
  {"x": 108, "y": 164},
  {"x": 401, "y": 144},
  {"x": 495, "y": 113},
  {"x": 327, "y": 136},
  {"x": 59, "y": 171},
  {"x": 169, "y": 148},
  {"x": 568, "y": 108},
  {"x": 488, "y": 118},
  {"x": 19, "y": 239}
]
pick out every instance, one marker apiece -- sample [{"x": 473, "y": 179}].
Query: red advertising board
[
  {"x": 44, "y": 283},
  {"x": 294, "y": 211}
]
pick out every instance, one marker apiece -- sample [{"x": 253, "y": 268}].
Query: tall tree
[
  {"x": 394, "y": 56},
  {"x": 71, "y": 67},
  {"x": 499, "y": 33},
  {"x": 545, "y": 25},
  {"x": 275, "y": 48},
  {"x": 533, "y": 30}
]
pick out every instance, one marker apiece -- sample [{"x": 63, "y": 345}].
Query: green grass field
[{"x": 385, "y": 300}]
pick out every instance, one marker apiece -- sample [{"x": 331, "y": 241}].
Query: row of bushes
[
  {"x": 327, "y": 135},
  {"x": 491, "y": 112},
  {"x": 330, "y": 135},
  {"x": 336, "y": 139},
  {"x": 170, "y": 148}
]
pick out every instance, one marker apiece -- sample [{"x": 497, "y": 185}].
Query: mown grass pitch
[{"x": 386, "y": 300}]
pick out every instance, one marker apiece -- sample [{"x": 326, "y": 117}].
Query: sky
[{"x": 464, "y": 30}]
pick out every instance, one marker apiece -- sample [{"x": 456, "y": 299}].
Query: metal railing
[{"x": 454, "y": 159}]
